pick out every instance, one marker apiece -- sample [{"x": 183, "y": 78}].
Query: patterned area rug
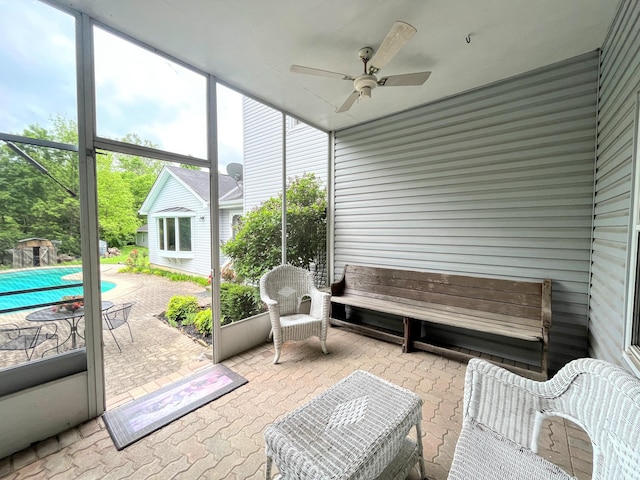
[{"x": 134, "y": 420}]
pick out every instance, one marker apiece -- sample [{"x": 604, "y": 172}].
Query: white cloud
[
  {"x": 138, "y": 91},
  {"x": 37, "y": 52},
  {"x": 130, "y": 79}
]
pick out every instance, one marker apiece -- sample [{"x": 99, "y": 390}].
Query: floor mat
[{"x": 132, "y": 421}]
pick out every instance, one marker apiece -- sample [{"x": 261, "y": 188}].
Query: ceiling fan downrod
[{"x": 365, "y": 54}]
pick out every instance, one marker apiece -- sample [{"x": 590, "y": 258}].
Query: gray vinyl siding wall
[
  {"x": 497, "y": 182},
  {"x": 619, "y": 86},
  {"x": 306, "y": 151},
  {"x": 262, "y": 152}
]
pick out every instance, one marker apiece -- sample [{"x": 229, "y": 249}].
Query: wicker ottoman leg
[
  {"x": 269, "y": 463},
  {"x": 423, "y": 474}
]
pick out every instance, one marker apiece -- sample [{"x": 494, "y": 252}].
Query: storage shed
[{"x": 34, "y": 252}]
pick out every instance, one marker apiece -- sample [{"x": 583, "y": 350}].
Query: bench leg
[{"x": 407, "y": 344}]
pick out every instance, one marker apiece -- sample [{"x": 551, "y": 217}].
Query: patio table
[
  {"x": 356, "y": 430},
  {"x": 71, "y": 317}
]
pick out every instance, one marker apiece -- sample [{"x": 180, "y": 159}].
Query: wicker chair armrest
[
  {"x": 320, "y": 304},
  {"x": 507, "y": 403},
  {"x": 600, "y": 397},
  {"x": 269, "y": 302}
]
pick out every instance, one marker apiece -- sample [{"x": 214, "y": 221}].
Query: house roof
[
  {"x": 250, "y": 45},
  {"x": 197, "y": 182}
]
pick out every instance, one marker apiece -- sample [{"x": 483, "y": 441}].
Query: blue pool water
[{"x": 12, "y": 281}]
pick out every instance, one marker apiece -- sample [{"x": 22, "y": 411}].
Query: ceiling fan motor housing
[{"x": 365, "y": 84}]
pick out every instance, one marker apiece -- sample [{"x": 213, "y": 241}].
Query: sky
[{"x": 137, "y": 91}]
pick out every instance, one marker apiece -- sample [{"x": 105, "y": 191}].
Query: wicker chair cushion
[{"x": 482, "y": 454}]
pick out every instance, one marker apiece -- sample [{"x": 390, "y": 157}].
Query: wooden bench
[{"x": 509, "y": 308}]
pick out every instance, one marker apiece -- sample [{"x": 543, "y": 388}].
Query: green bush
[
  {"x": 238, "y": 302},
  {"x": 180, "y": 306},
  {"x": 257, "y": 245},
  {"x": 190, "y": 319},
  {"x": 203, "y": 321}
]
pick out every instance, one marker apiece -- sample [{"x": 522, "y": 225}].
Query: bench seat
[{"x": 519, "y": 310}]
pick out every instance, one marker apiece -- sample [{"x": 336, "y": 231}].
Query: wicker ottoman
[{"x": 356, "y": 430}]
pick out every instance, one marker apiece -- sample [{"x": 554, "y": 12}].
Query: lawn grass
[{"x": 124, "y": 254}]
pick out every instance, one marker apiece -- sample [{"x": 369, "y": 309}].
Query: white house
[
  {"x": 177, "y": 209},
  {"x": 178, "y": 234}
]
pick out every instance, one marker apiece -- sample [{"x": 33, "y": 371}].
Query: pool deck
[{"x": 224, "y": 439}]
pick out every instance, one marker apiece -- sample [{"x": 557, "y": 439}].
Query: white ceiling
[{"x": 250, "y": 44}]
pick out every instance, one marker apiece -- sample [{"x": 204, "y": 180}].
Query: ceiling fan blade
[
  {"x": 320, "y": 73},
  {"x": 397, "y": 37},
  {"x": 348, "y": 102},
  {"x": 408, "y": 79}
]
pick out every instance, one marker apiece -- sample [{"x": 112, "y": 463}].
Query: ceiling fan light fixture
[{"x": 365, "y": 93}]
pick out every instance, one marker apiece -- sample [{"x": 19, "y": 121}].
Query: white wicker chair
[
  {"x": 282, "y": 290},
  {"x": 503, "y": 414}
]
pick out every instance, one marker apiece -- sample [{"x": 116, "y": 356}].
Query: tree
[
  {"x": 123, "y": 183},
  {"x": 34, "y": 204},
  {"x": 256, "y": 247}
]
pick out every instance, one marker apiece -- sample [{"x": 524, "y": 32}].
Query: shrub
[
  {"x": 238, "y": 302},
  {"x": 174, "y": 277},
  {"x": 228, "y": 274},
  {"x": 190, "y": 319},
  {"x": 180, "y": 306},
  {"x": 203, "y": 322}
]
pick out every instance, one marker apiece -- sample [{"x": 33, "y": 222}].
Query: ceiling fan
[{"x": 397, "y": 38}]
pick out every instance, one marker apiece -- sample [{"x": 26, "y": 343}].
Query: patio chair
[
  {"x": 15, "y": 337},
  {"x": 503, "y": 414},
  {"x": 282, "y": 290},
  {"x": 116, "y": 317}
]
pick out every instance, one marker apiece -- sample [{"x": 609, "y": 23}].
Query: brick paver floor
[{"x": 224, "y": 439}]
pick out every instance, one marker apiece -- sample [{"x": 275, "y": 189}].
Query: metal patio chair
[
  {"x": 116, "y": 317},
  {"x": 15, "y": 337},
  {"x": 282, "y": 290}
]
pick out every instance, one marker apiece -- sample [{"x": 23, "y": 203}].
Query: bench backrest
[{"x": 524, "y": 299}]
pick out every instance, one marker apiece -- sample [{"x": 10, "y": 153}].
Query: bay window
[{"x": 174, "y": 236}]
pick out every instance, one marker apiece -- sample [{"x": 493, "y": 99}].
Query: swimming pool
[{"x": 12, "y": 281}]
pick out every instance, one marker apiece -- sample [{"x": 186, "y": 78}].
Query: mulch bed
[{"x": 190, "y": 331}]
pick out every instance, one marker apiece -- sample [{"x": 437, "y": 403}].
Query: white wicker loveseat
[
  {"x": 282, "y": 290},
  {"x": 503, "y": 413}
]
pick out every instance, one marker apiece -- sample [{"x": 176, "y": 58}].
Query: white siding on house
[
  {"x": 497, "y": 182},
  {"x": 226, "y": 231},
  {"x": 306, "y": 151},
  {"x": 262, "y": 152},
  {"x": 175, "y": 194},
  {"x": 619, "y": 87}
]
